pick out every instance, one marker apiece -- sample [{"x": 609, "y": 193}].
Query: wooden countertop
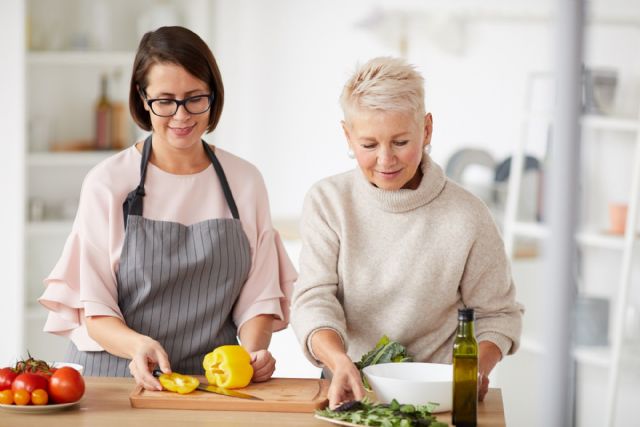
[{"x": 106, "y": 403}]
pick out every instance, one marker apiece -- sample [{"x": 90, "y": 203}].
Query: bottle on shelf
[
  {"x": 465, "y": 372},
  {"x": 104, "y": 117},
  {"x": 120, "y": 131}
]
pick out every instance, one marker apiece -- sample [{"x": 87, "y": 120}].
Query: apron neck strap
[
  {"x": 133, "y": 203},
  {"x": 223, "y": 180}
]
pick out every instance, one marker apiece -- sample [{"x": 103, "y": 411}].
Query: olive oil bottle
[
  {"x": 465, "y": 372},
  {"x": 104, "y": 117}
]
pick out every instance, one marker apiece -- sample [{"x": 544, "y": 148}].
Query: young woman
[{"x": 172, "y": 252}]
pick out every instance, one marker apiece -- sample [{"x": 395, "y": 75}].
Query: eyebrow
[
  {"x": 189, "y": 93},
  {"x": 372, "y": 139}
]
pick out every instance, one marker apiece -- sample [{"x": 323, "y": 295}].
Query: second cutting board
[{"x": 279, "y": 394}]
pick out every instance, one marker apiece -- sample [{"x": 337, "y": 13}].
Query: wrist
[
  {"x": 337, "y": 361},
  {"x": 328, "y": 347},
  {"x": 138, "y": 343}
]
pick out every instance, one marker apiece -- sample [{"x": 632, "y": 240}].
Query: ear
[
  {"x": 347, "y": 135},
  {"x": 428, "y": 129},
  {"x": 142, "y": 97}
]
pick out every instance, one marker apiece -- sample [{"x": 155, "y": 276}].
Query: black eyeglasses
[{"x": 167, "y": 107}]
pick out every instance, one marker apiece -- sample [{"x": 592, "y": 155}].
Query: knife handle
[{"x": 156, "y": 373}]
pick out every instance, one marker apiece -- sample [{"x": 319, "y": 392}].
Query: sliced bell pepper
[
  {"x": 228, "y": 366},
  {"x": 179, "y": 383}
]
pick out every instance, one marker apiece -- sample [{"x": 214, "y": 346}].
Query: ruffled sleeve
[
  {"x": 83, "y": 282},
  {"x": 270, "y": 284}
]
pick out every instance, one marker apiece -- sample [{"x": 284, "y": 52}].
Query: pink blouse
[{"x": 83, "y": 282}]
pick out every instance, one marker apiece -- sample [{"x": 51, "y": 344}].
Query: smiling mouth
[
  {"x": 389, "y": 172},
  {"x": 182, "y": 130}
]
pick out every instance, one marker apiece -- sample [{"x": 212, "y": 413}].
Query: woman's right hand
[
  {"x": 147, "y": 354},
  {"x": 346, "y": 383}
]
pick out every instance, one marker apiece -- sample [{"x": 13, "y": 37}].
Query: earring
[
  {"x": 427, "y": 148},
  {"x": 351, "y": 154}
]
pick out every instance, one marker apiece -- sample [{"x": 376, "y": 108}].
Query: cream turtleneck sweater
[{"x": 401, "y": 263}]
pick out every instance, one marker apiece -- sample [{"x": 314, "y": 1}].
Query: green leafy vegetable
[
  {"x": 393, "y": 414},
  {"x": 385, "y": 351}
]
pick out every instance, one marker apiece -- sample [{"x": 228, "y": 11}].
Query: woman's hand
[
  {"x": 255, "y": 336},
  {"x": 488, "y": 357},
  {"x": 120, "y": 340},
  {"x": 146, "y": 355},
  {"x": 263, "y": 365},
  {"x": 346, "y": 383}
]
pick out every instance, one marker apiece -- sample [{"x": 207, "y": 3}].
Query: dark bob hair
[{"x": 179, "y": 46}]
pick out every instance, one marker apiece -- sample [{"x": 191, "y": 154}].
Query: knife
[{"x": 217, "y": 390}]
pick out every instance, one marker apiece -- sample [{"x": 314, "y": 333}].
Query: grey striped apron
[{"x": 176, "y": 284}]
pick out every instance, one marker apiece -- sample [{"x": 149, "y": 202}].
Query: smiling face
[
  {"x": 388, "y": 146},
  {"x": 182, "y": 130}
]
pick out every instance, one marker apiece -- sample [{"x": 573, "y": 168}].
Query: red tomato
[
  {"x": 29, "y": 382},
  {"x": 7, "y": 375},
  {"x": 46, "y": 374},
  {"x": 66, "y": 385}
]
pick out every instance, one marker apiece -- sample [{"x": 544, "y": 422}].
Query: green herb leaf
[
  {"x": 385, "y": 351},
  {"x": 391, "y": 415}
]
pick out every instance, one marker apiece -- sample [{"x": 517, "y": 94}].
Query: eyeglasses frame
[{"x": 178, "y": 103}]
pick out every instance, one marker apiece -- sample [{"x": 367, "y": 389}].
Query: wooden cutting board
[{"x": 279, "y": 394}]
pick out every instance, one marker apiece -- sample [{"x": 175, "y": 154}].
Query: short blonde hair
[{"x": 384, "y": 83}]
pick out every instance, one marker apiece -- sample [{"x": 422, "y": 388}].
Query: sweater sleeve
[
  {"x": 315, "y": 304},
  {"x": 487, "y": 286}
]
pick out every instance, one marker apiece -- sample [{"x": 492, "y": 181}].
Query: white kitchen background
[{"x": 283, "y": 62}]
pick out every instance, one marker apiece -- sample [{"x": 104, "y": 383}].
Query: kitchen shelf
[
  {"x": 611, "y": 123},
  {"x": 68, "y": 158},
  {"x": 599, "y": 356},
  {"x": 75, "y": 58},
  {"x": 596, "y": 239},
  {"x": 594, "y": 122},
  {"x": 36, "y": 312},
  {"x": 40, "y": 228}
]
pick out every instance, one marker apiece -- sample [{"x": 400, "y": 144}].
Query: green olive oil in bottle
[{"x": 465, "y": 372}]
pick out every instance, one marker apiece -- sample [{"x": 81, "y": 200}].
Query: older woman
[{"x": 394, "y": 247}]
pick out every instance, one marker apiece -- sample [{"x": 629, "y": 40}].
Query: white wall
[
  {"x": 12, "y": 112},
  {"x": 284, "y": 63}
]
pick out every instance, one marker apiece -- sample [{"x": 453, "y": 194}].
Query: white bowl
[
  {"x": 75, "y": 366},
  {"x": 412, "y": 382}
]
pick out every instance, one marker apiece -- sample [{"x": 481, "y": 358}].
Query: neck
[
  {"x": 185, "y": 161},
  {"x": 414, "y": 182}
]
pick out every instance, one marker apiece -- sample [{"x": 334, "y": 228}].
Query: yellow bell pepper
[
  {"x": 228, "y": 366},
  {"x": 179, "y": 383}
]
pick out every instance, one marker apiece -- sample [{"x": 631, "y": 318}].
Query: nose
[
  {"x": 181, "y": 113},
  {"x": 386, "y": 156}
]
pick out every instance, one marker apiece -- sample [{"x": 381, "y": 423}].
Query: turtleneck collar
[{"x": 403, "y": 200}]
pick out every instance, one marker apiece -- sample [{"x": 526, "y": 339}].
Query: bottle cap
[{"x": 465, "y": 314}]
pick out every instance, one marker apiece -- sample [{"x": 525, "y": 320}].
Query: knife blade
[
  {"x": 226, "y": 392},
  {"x": 217, "y": 390}
]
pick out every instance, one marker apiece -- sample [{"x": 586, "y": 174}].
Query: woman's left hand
[
  {"x": 263, "y": 365},
  {"x": 488, "y": 357}
]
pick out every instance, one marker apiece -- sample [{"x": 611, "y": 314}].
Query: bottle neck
[{"x": 465, "y": 328}]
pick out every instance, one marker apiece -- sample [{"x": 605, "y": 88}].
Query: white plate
[
  {"x": 75, "y": 366},
  {"x": 338, "y": 422},
  {"x": 37, "y": 409}
]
